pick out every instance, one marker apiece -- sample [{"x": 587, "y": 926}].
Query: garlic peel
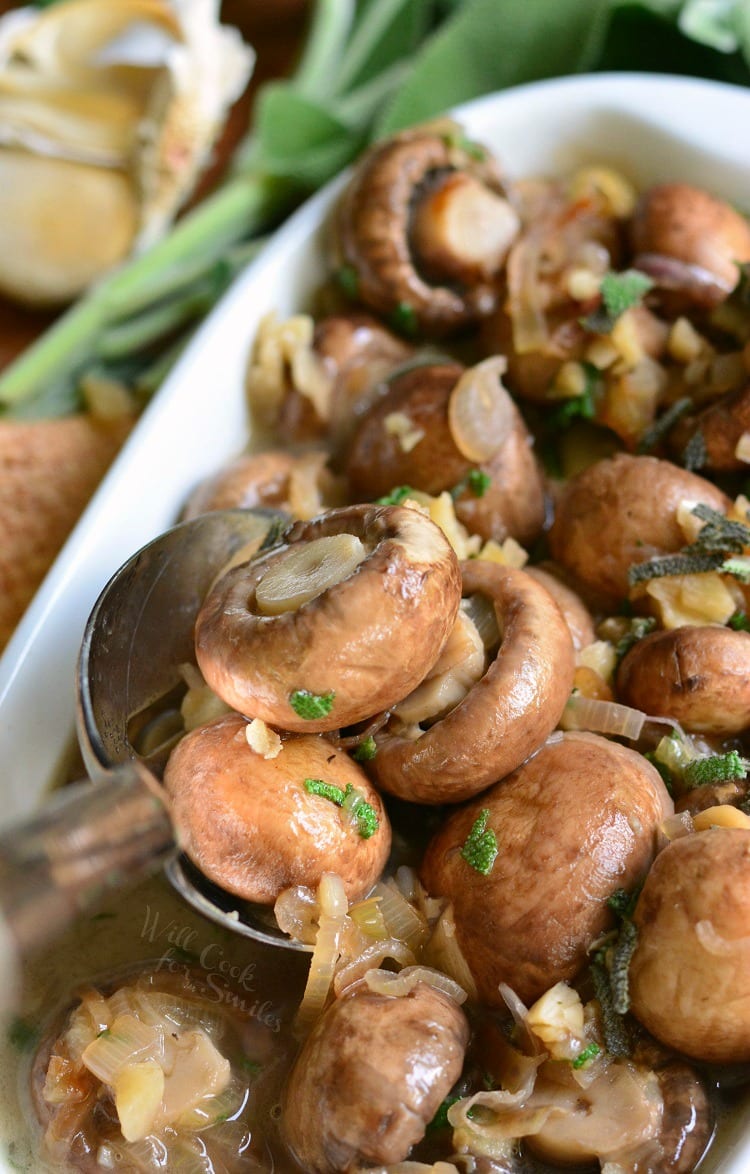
[{"x": 136, "y": 89}]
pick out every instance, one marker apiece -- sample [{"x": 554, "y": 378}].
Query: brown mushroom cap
[
  {"x": 576, "y": 822},
  {"x": 368, "y": 640},
  {"x": 575, "y": 613},
  {"x": 690, "y": 973},
  {"x": 513, "y": 502},
  {"x": 720, "y": 425},
  {"x": 688, "y": 224},
  {"x": 251, "y": 480},
  {"x": 248, "y": 823},
  {"x": 700, "y": 676},
  {"x": 372, "y": 230},
  {"x": 621, "y": 511},
  {"x": 371, "y": 1076},
  {"x": 506, "y": 715}
]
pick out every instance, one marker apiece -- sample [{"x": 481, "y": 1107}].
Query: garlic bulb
[{"x": 108, "y": 110}]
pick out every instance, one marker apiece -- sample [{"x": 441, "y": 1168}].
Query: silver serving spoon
[{"x": 105, "y": 834}]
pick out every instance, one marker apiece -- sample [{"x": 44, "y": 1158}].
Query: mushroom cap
[
  {"x": 371, "y": 1076},
  {"x": 621, "y": 511},
  {"x": 575, "y": 613},
  {"x": 248, "y": 823},
  {"x": 721, "y": 425},
  {"x": 575, "y": 823},
  {"x": 698, "y": 675},
  {"x": 371, "y": 230},
  {"x": 506, "y": 715},
  {"x": 368, "y": 640},
  {"x": 250, "y": 480},
  {"x": 690, "y": 225},
  {"x": 690, "y": 972},
  {"x": 513, "y": 502}
]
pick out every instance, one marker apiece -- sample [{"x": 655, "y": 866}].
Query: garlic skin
[{"x": 108, "y": 111}]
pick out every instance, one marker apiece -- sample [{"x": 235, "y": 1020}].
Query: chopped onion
[
  {"x": 296, "y": 911},
  {"x": 385, "y": 982},
  {"x": 481, "y": 611},
  {"x": 128, "y": 1039},
  {"x": 674, "y": 827},
  {"x": 333, "y": 909},
  {"x": 401, "y": 918},
  {"x": 444, "y": 953},
  {"x": 481, "y": 414},
  {"x": 603, "y": 717},
  {"x": 528, "y": 1041},
  {"x": 368, "y": 918},
  {"x": 370, "y": 959}
]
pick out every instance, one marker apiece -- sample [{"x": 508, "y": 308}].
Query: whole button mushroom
[
  {"x": 689, "y": 242},
  {"x": 690, "y": 972},
  {"x": 505, "y": 716},
  {"x": 621, "y": 511},
  {"x": 576, "y": 822},
  {"x": 371, "y": 1076},
  {"x": 255, "y": 825},
  {"x": 439, "y": 425},
  {"x": 700, "y": 676},
  {"x": 335, "y": 625},
  {"x": 721, "y": 425},
  {"x": 423, "y": 229},
  {"x": 575, "y": 613},
  {"x": 277, "y": 478}
]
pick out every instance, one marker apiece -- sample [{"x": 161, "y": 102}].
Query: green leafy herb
[
  {"x": 22, "y": 1035},
  {"x": 578, "y": 407},
  {"x": 623, "y": 903},
  {"x": 719, "y": 537},
  {"x": 663, "y": 769},
  {"x": 404, "y": 319},
  {"x": 587, "y": 1054},
  {"x": 440, "y": 1120},
  {"x": 639, "y": 627},
  {"x": 717, "y": 768},
  {"x": 616, "y": 1036},
  {"x": 476, "y": 481},
  {"x": 366, "y": 750},
  {"x": 311, "y": 706},
  {"x": 348, "y": 279},
  {"x": 619, "y": 966},
  {"x": 665, "y": 423},
  {"x": 351, "y": 800},
  {"x": 695, "y": 454},
  {"x": 739, "y": 621},
  {"x": 396, "y": 496},
  {"x": 739, "y": 567},
  {"x": 620, "y": 292},
  {"x": 480, "y": 849}
]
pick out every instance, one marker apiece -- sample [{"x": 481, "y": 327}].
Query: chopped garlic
[
  {"x": 618, "y": 193},
  {"x": 570, "y": 381},
  {"x": 692, "y": 599},
  {"x": 262, "y": 739},
  {"x": 626, "y": 339},
  {"x": 602, "y": 353},
  {"x": 442, "y": 512},
  {"x": 508, "y": 553},
  {"x": 284, "y": 349},
  {"x": 139, "y": 1089},
  {"x": 406, "y": 432},
  {"x": 599, "y": 656},
  {"x": 742, "y": 448},
  {"x": 690, "y": 525},
  {"x": 684, "y": 343},
  {"x": 582, "y": 284},
  {"x": 557, "y": 1020}
]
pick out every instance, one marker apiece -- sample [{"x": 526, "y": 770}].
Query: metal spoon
[{"x": 97, "y": 836}]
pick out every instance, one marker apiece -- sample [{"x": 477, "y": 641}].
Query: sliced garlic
[{"x": 108, "y": 109}]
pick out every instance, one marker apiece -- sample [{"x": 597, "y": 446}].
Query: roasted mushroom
[
  {"x": 257, "y": 823},
  {"x": 335, "y": 625},
  {"x": 440, "y": 427},
  {"x": 423, "y": 229},
  {"x": 690, "y": 243},
  {"x": 371, "y": 1076},
  {"x": 504, "y": 716},
  {"x": 690, "y": 972},
  {"x": 700, "y": 676},
  {"x": 575, "y": 613},
  {"x": 573, "y": 824},
  {"x": 719, "y": 428},
  {"x": 301, "y": 485},
  {"x": 619, "y": 512}
]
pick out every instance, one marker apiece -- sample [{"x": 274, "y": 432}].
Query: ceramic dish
[{"x": 653, "y": 128}]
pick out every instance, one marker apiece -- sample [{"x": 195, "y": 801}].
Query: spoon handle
[{"x": 89, "y": 839}]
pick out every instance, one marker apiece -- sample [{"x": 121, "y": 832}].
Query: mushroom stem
[
  {"x": 307, "y": 571},
  {"x": 462, "y": 229}
]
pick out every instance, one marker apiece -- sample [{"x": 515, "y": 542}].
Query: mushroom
[
  {"x": 687, "y": 1119},
  {"x": 299, "y": 484},
  {"x": 423, "y": 229},
  {"x": 700, "y": 676},
  {"x": 575, "y": 613},
  {"x": 621, "y": 511},
  {"x": 505, "y": 716},
  {"x": 252, "y": 826},
  {"x": 573, "y": 824},
  {"x": 690, "y": 243},
  {"x": 436, "y": 427},
  {"x": 720, "y": 426},
  {"x": 371, "y": 1076},
  {"x": 335, "y": 625},
  {"x": 690, "y": 972}
]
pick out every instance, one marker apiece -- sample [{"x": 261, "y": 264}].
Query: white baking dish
[{"x": 654, "y": 128}]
